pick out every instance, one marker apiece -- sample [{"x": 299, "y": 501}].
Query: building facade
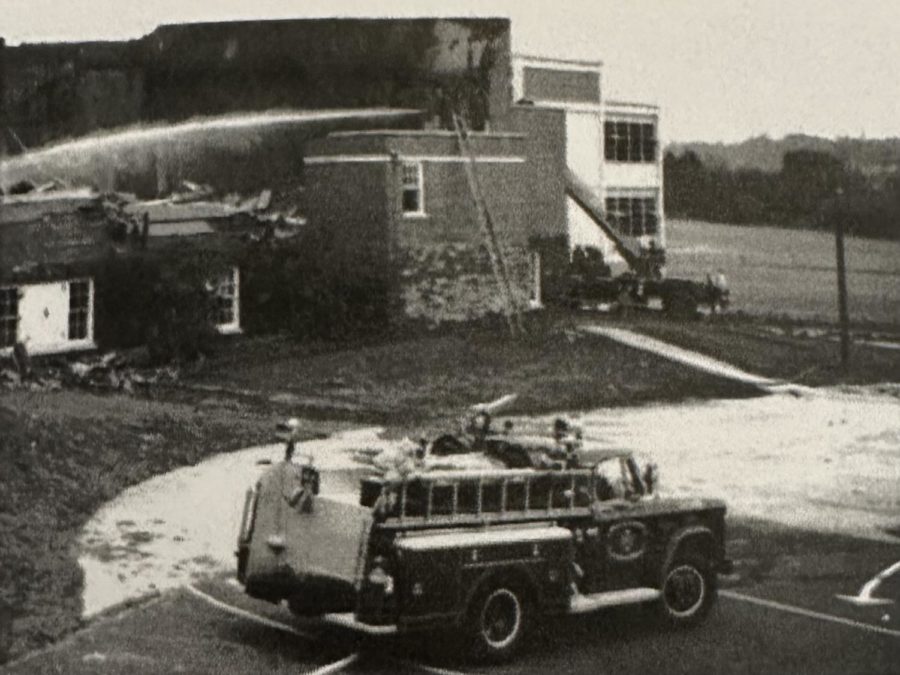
[
  {"x": 612, "y": 147},
  {"x": 555, "y": 165},
  {"x": 401, "y": 202}
]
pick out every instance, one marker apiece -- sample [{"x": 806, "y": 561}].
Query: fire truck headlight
[
  {"x": 378, "y": 577},
  {"x": 276, "y": 542}
]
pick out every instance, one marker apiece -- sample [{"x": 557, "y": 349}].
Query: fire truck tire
[
  {"x": 680, "y": 305},
  {"x": 497, "y": 621},
  {"x": 688, "y": 591}
]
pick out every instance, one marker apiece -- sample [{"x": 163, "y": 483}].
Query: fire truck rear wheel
[{"x": 497, "y": 621}]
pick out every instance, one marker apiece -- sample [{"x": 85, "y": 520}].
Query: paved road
[{"x": 185, "y": 632}]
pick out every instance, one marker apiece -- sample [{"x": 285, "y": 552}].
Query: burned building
[
  {"x": 350, "y": 124},
  {"x": 177, "y": 72}
]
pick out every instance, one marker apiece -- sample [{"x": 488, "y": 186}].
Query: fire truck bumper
[{"x": 349, "y": 621}]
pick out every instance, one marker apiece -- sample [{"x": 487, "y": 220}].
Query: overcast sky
[{"x": 721, "y": 69}]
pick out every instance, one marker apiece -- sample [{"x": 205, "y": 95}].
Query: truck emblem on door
[{"x": 627, "y": 540}]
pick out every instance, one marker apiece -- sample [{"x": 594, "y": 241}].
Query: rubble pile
[{"x": 112, "y": 371}]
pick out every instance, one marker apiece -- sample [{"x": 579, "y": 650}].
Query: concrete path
[
  {"x": 182, "y": 526},
  {"x": 687, "y": 357}
]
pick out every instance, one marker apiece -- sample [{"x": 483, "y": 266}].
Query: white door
[{"x": 44, "y": 317}]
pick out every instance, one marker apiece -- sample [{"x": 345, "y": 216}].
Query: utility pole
[{"x": 843, "y": 313}]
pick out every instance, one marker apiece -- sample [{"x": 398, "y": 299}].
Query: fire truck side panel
[{"x": 439, "y": 574}]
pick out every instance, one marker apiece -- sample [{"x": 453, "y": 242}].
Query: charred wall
[
  {"x": 182, "y": 71},
  {"x": 60, "y": 90}
]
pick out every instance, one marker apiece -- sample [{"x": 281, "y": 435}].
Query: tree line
[{"x": 810, "y": 191}]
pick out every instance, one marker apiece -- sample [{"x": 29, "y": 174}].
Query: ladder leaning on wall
[{"x": 498, "y": 262}]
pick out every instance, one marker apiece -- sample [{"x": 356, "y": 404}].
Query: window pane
[
  {"x": 609, "y": 140},
  {"x": 9, "y": 316},
  {"x": 624, "y": 215},
  {"x": 622, "y": 141},
  {"x": 410, "y": 175},
  {"x": 79, "y": 308},
  {"x": 411, "y": 197},
  {"x": 634, "y": 145},
  {"x": 9, "y": 302},
  {"x": 614, "y": 212},
  {"x": 649, "y": 142},
  {"x": 225, "y": 300},
  {"x": 651, "y": 220},
  {"x": 410, "y": 201},
  {"x": 637, "y": 217}
]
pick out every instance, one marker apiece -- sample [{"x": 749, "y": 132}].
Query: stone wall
[{"x": 454, "y": 281}]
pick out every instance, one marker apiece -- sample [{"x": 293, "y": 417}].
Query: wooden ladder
[{"x": 498, "y": 262}]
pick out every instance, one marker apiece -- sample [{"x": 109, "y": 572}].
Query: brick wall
[
  {"x": 349, "y": 203},
  {"x": 441, "y": 268}
]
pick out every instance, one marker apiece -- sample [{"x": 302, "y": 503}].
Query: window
[
  {"x": 629, "y": 142},
  {"x": 413, "y": 192},
  {"x": 227, "y": 301},
  {"x": 613, "y": 480},
  {"x": 79, "y": 309},
  {"x": 633, "y": 216},
  {"x": 9, "y": 316}
]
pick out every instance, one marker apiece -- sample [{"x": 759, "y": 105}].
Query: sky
[{"x": 722, "y": 70}]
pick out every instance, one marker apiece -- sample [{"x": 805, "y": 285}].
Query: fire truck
[{"x": 536, "y": 527}]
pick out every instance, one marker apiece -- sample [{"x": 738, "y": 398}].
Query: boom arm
[{"x": 578, "y": 190}]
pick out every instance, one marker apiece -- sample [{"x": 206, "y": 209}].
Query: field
[{"x": 790, "y": 272}]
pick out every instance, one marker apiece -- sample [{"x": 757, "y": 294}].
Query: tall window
[
  {"x": 413, "y": 189},
  {"x": 227, "y": 301},
  {"x": 629, "y": 142},
  {"x": 633, "y": 216},
  {"x": 9, "y": 316},
  {"x": 79, "y": 309}
]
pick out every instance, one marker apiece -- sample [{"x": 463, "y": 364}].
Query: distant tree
[
  {"x": 803, "y": 193},
  {"x": 807, "y": 178}
]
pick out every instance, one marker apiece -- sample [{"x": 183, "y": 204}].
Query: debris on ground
[{"x": 111, "y": 371}]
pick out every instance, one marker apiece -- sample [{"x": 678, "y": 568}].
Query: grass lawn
[
  {"x": 431, "y": 377},
  {"x": 63, "y": 454},
  {"x": 751, "y": 345}
]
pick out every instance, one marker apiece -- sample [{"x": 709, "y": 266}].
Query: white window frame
[
  {"x": 618, "y": 217},
  {"x": 233, "y": 326},
  {"x": 88, "y": 338},
  {"x": 419, "y": 185},
  {"x": 15, "y": 289},
  {"x": 68, "y": 344},
  {"x": 610, "y": 141}
]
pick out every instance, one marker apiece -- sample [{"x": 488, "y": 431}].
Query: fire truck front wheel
[
  {"x": 688, "y": 591},
  {"x": 496, "y": 622}
]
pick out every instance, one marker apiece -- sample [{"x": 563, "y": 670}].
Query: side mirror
[{"x": 651, "y": 477}]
